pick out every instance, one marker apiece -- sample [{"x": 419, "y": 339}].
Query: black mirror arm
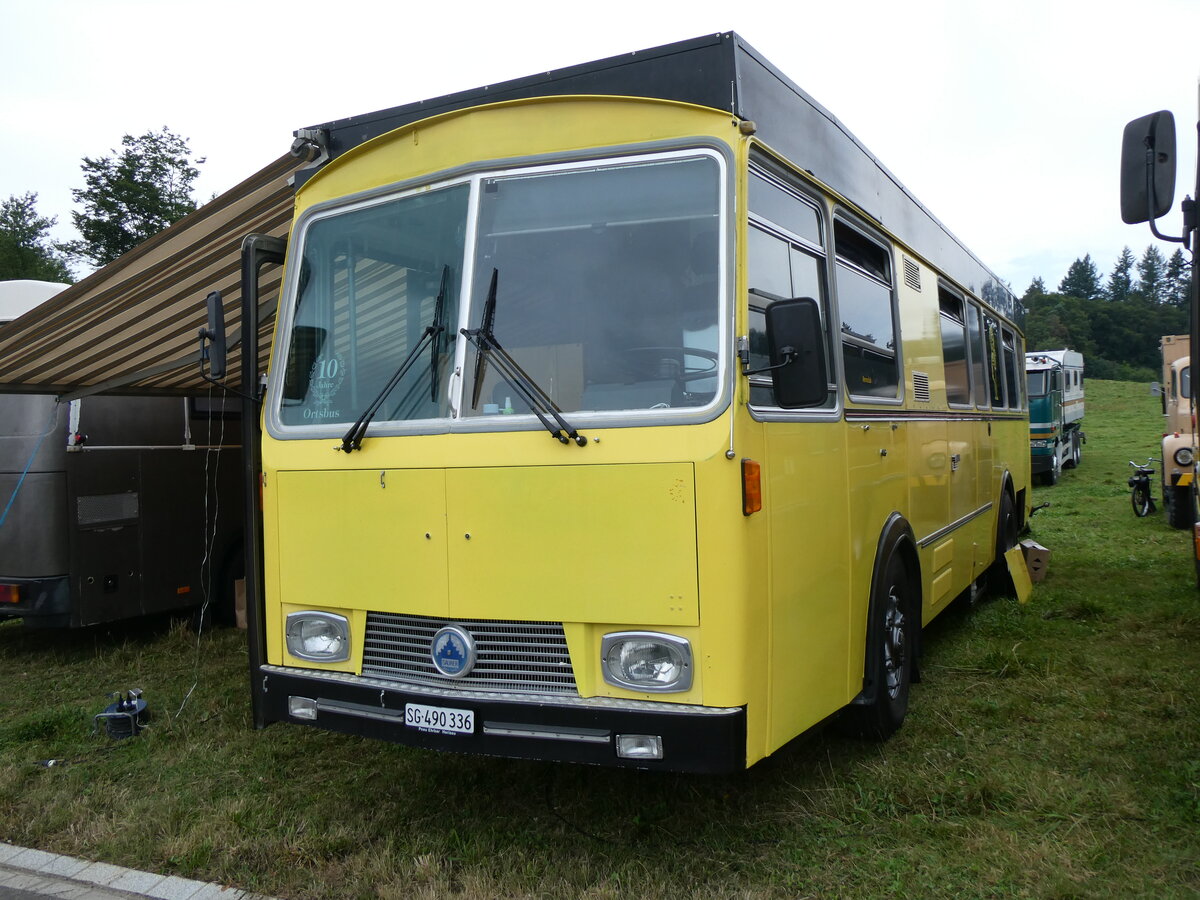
[
  {"x": 1151, "y": 202},
  {"x": 205, "y": 336},
  {"x": 789, "y": 356}
]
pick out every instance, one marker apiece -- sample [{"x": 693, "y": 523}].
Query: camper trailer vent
[
  {"x": 921, "y": 387},
  {"x": 912, "y": 274},
  {"x": 105, "y": 509}
]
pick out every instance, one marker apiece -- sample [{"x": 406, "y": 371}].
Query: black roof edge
[{"x": 422, "y": 109}]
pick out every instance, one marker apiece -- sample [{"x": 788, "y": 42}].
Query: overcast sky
[{"x": 1004, "y": 118}]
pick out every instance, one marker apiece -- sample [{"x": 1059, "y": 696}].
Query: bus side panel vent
[
  {"x": 920, "y": 387},
  {"x": 912, "y": 274}
]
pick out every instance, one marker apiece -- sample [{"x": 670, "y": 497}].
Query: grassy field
[{"x": 1053, "y": 750}]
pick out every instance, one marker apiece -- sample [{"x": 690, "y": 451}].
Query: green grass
[{"x": 1051, "y": 751}]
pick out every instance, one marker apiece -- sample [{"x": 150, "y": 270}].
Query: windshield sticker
[{"x": 325, "y": 380}]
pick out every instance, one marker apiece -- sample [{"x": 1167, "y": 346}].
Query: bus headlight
[
  {"x": 1184, "y": 456},
  {"x": 318, "y": 636},
  {"x": 646, "y": 661}
]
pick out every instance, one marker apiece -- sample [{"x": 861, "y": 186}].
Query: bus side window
[
  {"x": 995, "y": 361},
  {"x": 954, "y": 348},
  {"x": 784, "y": 260},
  {"x": 867, "y": 306},
  {"x": 979, "y": 369},
  {"x": 1010, "y": 368}
]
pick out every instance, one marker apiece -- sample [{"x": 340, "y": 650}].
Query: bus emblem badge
[{"x": 453, "y": 652}]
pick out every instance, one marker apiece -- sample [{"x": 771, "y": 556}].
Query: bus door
[{"x": 804, "y": 473}]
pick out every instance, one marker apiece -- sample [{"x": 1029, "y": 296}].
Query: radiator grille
[{"x": 515, "y": 657}]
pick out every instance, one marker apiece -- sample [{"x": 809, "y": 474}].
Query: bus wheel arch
[{"x": 893, "y": 637}]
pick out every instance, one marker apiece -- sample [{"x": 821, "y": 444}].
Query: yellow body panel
[{"x": 572, "y": 546}]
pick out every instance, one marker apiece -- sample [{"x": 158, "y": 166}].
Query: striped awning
[{"x": 132, "y": 326}]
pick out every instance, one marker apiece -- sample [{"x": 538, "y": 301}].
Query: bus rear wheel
[{"x": 894, "y": 646}]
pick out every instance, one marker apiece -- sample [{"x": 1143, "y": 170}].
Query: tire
[
  {"x": 1006, "y": 527},
  {"x": 1051, "y": 477},
  {"x": 894, "y": 646},
  {"x": 1075, "y": 454},
  {"x": 1143, "y": 505},
  {"x": 998, "y": 581},
  {"x": 1181, "y": 506}
]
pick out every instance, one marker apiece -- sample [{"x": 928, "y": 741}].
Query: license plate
[{"x": 439, "y": 719}]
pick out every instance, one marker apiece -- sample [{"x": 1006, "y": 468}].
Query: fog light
[
  {"x": 302, "y": 708},
  {"x": 646, "y": 661},
  {"x": 639, "y": 746},
  {"x": 1184, "y": 456},
  {"x": 318, "y": 636}
]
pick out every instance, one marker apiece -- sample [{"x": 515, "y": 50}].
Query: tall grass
[{"x": 1051, "y": 751}]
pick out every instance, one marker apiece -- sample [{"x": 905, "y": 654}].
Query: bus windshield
[
  {"x": 606, "y": 294},
  {"x": 1037, "y": 383}
]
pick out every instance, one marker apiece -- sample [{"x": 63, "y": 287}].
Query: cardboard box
[
  {"x": 239, "y": 602},
  {"x": 1037, "y": 560}
]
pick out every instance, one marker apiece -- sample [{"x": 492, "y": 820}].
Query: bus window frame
[
  {"x": 475, "y": 173},
  {"x": 846, "y": 219},
  {"x": 945, "y": 290},
  {"x": 982, "y": 393},
  {"x": 1014, "y": 375},
  {"x": 777, "y": 176}
]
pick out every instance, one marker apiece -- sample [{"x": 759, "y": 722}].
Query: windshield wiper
[
  {"x": 353, "y": 438},
  {"x": 488, "y": 349}
]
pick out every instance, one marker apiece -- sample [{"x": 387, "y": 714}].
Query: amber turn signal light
[{"x": 751, "y": 487}]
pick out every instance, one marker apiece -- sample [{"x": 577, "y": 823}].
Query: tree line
[
  {"x": 1115, "y": 321},
  {"x": 127, "y": 197}
]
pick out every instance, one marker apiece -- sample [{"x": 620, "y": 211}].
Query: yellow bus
[{"x": 632, "y": 414}]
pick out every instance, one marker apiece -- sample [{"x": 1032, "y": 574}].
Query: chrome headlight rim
[
  {"x": 1185, "y": 456},
  {"x": 294, "y": 637},
  {"x": 677, "y": 647}
]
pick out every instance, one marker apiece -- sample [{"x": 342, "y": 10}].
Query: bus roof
[
  {"x": 1048, "y": 359},
  {"x": 723, "y": 72}
]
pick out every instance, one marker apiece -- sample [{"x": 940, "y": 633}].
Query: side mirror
[
  {"x": 212, "y": 338},
  {"x": 1148, "y": 168},
  {"x": 799, "y": 373}
]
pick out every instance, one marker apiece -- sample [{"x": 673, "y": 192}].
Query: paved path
[{"x": 34, "y": 875}]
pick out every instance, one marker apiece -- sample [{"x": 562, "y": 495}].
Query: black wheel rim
[{"x": 895, "y": 647}]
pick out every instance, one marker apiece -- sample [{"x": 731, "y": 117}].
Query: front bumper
[
  {"x": 550, "y": 727},
  {"x": 1041, "y": 461}
]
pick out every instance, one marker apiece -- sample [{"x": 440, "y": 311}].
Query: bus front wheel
[{"x": 893, "y": 644}]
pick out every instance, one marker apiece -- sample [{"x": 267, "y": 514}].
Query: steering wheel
[{"x": 655, "y": 356}]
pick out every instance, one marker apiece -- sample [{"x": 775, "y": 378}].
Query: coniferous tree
[
  {"x": 1036, "y": 287},
  {"x": 1082, "y": 280},
  {"x": 132, "y": 195},
  {"x": 1178, "y": 282},
  {"x": 1120, "y": 282},
  {"x": 26, "y": 250},
  {"x": 1152, "y": 273}
]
